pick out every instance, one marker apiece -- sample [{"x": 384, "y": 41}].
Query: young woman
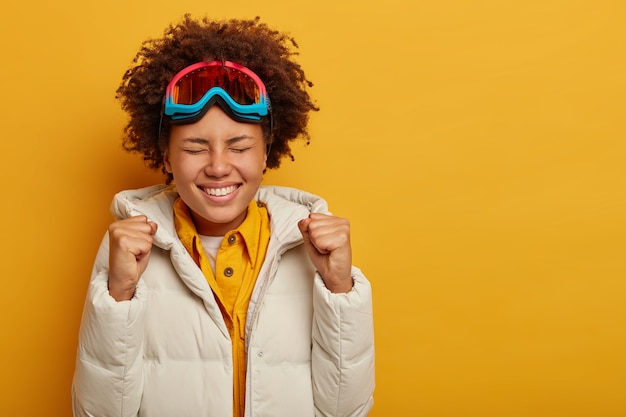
[{"x": 212, "y": 295}]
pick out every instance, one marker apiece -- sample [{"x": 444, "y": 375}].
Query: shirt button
[
  {"x": 229, "y": 272},
  {"x": 259, "y": 354},
  {"x": 232, "y": 239}
]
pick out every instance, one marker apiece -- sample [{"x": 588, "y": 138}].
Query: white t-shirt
[{"x": 211, "y": 245}]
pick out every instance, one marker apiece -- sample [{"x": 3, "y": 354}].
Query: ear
[
  {"x": 166, "y": 162},
  {"x": 268, "y": 148},
  {"x": 265, "y": 163}
]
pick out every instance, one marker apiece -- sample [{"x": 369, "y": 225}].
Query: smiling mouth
[{"x": 220, "y": 192}]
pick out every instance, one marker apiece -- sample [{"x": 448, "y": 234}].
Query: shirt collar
[{"x": 249, "y": 231}]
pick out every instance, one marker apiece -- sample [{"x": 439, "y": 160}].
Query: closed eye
[
  {"x": 239, "y": 150},
  {"x": 194, "y": 151}
]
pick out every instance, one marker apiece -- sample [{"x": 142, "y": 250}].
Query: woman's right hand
[{"x": 130, "y": 243}]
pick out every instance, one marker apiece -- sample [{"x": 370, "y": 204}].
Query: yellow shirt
[{"x": 237, "y": 265}]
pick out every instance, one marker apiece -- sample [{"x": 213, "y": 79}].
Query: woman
[{"x": 212, "y": 295}]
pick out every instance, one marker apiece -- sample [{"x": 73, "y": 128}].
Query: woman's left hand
[{"x": 327, "y": 241}]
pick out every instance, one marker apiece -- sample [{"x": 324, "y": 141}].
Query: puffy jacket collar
[
  {"x": 153, "y": 202},
  {"x": 286, "y": 206}
]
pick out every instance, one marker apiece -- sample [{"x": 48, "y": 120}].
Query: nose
[{"x": 218, "y": 164}]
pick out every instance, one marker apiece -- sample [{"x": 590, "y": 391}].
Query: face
[{"x": 217, "y": 164}]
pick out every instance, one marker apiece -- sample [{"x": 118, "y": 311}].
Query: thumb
[{"x": 303, "y": 226}]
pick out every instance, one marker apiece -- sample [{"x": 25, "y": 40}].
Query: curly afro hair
[{"x": 250, "y": 43}]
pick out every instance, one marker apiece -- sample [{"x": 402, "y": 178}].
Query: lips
[{"x": 220, "y": 192}]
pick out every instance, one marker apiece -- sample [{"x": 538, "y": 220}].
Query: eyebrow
[{"x": 231, "y": 141}]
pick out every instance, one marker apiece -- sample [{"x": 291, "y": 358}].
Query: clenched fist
[
  {"x": 327, "y": 240},
  {"x": 130, "y": 243}
]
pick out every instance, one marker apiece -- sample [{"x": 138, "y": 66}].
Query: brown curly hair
[{"x": 250, "y": 43}]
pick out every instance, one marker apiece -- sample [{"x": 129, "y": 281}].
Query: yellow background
[{"x": 477, "y": 147}]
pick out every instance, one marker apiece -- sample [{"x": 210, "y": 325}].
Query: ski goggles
[{"x": 238, "y": 90}]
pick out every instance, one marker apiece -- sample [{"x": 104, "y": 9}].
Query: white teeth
[{"x": 218, "y": 192}]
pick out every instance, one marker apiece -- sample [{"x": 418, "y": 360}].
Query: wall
[{"x": 477, "y": 147}]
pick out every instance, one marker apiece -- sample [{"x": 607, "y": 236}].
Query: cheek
[
  {"x": 261, "y": 163},
  {"x": 185, "y": 168},
  {"x": 255, "y": 161}
]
